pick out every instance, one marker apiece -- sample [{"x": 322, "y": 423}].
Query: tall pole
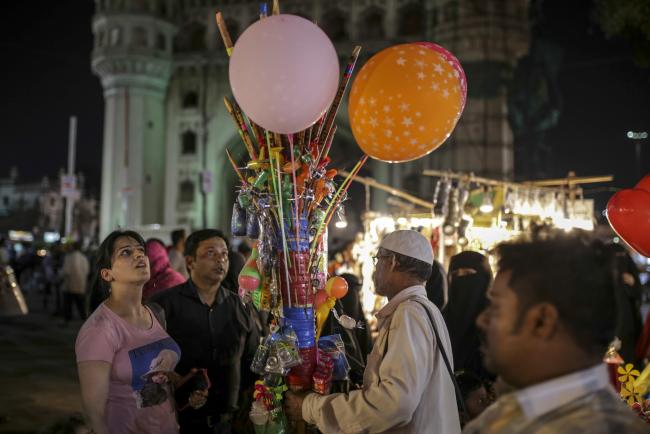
[
  {"x": 637, "y": 136},
  {"x": 72, "y": 143}
]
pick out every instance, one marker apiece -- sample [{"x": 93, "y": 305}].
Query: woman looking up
[{"x": 125, "y": 358}]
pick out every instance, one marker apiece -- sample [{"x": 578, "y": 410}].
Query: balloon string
[
  {"x": 278, "y": 198},
  {"x": 295, "y": 194}
]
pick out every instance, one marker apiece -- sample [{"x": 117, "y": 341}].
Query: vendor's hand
[
  {"x": 293, "y": 404},
  {"x": 198, "y": 398}
]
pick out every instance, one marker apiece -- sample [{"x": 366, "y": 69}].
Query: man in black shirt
[{"x": 214, "y": 331}]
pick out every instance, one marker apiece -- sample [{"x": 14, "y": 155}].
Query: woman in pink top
[{"x": 124, "y": 357}]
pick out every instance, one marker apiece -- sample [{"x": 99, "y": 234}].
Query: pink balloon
[
  {"x": 451, "y": 59},
  {"x": 284, "y": 73},
  {"x": 249, "y": 283}
]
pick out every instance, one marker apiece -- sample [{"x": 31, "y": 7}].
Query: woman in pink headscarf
[{"x": 163, "y": 276}]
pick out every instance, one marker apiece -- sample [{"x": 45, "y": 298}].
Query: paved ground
[{"x": 38, "y": 379}]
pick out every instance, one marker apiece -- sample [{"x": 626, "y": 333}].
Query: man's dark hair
[
  {"x": 192, "y": 242},
  {"x": 177, "y": 236},
  {"x": 412, "y": 266},
  {"x": 572, "y": 271}
]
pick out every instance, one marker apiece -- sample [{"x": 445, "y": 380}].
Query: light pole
[{"x": 637, "y": 136}]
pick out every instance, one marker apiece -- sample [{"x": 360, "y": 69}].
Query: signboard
[
  {"x": 69, "y": 186},
  {"x": 206, "y": 181}
]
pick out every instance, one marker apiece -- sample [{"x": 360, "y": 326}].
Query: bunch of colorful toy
[
  {"x": 287, "y": 193},
  {"x": 284, "y": 74}
]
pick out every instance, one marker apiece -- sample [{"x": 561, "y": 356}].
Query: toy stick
[
  {"x": 295, "y": 189},
  {"x": 225, "y": 35},
  {"x": 334, "y": 108},
  {"x": 242, "y": 133},
  {"x": 234, "y": 166}
]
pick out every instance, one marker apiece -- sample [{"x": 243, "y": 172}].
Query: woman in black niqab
[{"x": 470, "y": 277}]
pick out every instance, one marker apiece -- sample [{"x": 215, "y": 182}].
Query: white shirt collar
[
  {"x": 404, "y": 294},
  {"x": 547, "y": 396}
]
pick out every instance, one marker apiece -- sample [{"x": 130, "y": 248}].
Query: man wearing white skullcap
[{"x": 406, "y": 387}]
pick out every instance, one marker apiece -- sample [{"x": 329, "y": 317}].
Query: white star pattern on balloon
[
  {"x": 386, "y": 108},
  {"x": 401, "y": 61},
  {"x": 438, "y": 68},
  {"x": 445, "y": 93},
  {"x": 373, "y": 121},
  {"x": 373, "y": 101},
  {"x": 420, "y": 63},
  {"x": 404, "y": 106},
  {"x": 420, "y": 75},
  {"x": 407, "y": 122}
]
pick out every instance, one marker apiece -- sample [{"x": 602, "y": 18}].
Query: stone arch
[
  {"x": 333, "y": 23},
  {"x": 139, "y": 37},
  {"x": 411, "y": 19},
  {"x": 371, "y": 25},
  {"x": 188, "y": 143},
  {"x": 186, "y": 191},
  {"x": 161, "y": 41},
  {"x": 190, "y": 100},
  {"x": 190, "y": 38}
]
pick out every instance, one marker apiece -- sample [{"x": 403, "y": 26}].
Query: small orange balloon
[
  {"x": 320, "y": 298},
  {"x": 405, "y": 102},
  {"x": 336, "y": 287}
]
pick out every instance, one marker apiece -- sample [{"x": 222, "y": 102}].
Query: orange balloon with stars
[{"x": 406, "y": 101}]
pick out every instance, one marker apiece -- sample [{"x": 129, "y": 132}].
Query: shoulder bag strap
[{"x": 459, "y": 396}]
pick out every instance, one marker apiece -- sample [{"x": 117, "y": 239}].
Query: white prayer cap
[{"x": 409, "y": 243}]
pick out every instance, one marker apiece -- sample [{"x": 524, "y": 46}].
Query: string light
[
  {"x": 342, "y": 221},
  {"x": 486, "y": 205}
]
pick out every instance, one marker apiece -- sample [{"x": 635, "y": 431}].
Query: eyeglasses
[{"x": 377, "y": 257}]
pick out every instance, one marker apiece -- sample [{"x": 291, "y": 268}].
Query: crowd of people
[{"x": 455, "y": 350}]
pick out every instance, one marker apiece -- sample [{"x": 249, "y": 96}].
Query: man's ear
[
  {"x": 543, "y": 320},
  {"x": 106, "y": 274},
  {"x": 189, "y": 262}
]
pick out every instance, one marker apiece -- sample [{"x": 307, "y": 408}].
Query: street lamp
[{"x": 637, "y": 136}]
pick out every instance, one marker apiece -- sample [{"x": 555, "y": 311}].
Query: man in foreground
[{"x": 550, "y": 317}]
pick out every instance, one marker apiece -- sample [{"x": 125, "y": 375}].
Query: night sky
[{"x": 46, "y": 77}]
